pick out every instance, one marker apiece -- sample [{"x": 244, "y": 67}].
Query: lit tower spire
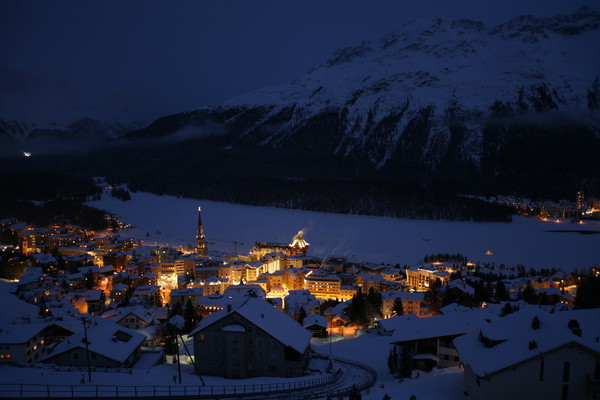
[{"x": 200, "y": 235}]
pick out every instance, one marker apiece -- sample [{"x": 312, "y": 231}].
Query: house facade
[
  {"x": 534, "y": 354},
  {"x": 22, "y": 343},
  {"x": 571, "y": 371},
  {"x": 109, "y": 345},
  {"x": 253, "y": 339}
]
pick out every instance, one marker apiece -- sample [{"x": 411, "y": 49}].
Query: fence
[{"x": 8, "y": 390}]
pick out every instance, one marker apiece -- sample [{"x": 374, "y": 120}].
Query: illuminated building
[
  {"x": 421, "y": 278},
  {"x": 580, "y": 200},
  {"x": 201, "y": 247},
  {"x": 323, "y": 286},
  {"x": 22, "y": 343}
]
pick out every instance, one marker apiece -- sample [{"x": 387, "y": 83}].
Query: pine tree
[
  {"x": 357, "y": 312},
  {"x": 301, "y": 315},
  {"x": 529, "y": 295},
  {"x": 501, "y": 293},
  {"x": 397, "y": 307},
  {"x": 189, "y": 317},
  {"x": 354, "y": 394},
  {"x": 508, "y": 309},
  {"x": 433, "y": 297},
  {"x": 392, "y": 360},
  {"x": 374, "y": 304},
  {"x": 405, "y": 363}
]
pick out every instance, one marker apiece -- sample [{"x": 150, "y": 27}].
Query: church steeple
[{"x": 201, "y": 249}]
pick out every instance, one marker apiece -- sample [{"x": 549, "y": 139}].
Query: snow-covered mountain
[
  {"x": 58, "y": 138},
  {"x": 445, "y": 71},
  {"x": 452, "y": 104},
  {"x": 429, "y": 89}
]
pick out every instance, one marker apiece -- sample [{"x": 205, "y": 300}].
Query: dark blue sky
[{"x": 63, "y": 59}]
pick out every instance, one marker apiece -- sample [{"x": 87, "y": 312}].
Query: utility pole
[
  {"x": 177, "y": 351},
  {"x": 87, "y": 349},
  {"x": 329, "y": 368}
]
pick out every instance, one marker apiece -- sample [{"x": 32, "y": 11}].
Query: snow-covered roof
[
  {"x": 438, "y": 326},
  {"x": 120, "y": 313},
  {"x": 20, "y": 333},
  {"x": 44, "y": 258},
  {"x": 406, "y": 296},
  {"x": 93, "y": 295},
  {"x": 394, "y": 323},
  {"x": 13, "y": 307},
  {"x": 553, "y": 291},
  {"x": 242, "y": 290},
  {"x": 31, "y": 275},
  {"x": 146, "y": 290},
  {"x": 514, "y": 338},
  {"x": 266, "y": 317},
  {"x": 315, "y": 319},
  {"x": 106, "y": 269},
  {"x": 187, "y": 292},
  {"x": 462, "y": 286},
  {"x": 105, "y": 338},
  {"x": 300, "y": 298},
  {"x": 119, "y": 287},
  {"x": 454, "y": 308}
]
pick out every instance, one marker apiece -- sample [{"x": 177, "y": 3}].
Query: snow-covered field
[{"x": 527, "y": 241}]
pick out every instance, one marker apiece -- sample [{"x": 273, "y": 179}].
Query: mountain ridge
[{"x": 437, "y": 102}]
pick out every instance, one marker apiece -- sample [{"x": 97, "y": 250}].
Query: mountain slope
[
  {"x": 444, "y": 71},
  {"x": 513, "y": 107},
  {"x": 438, "y": 105}
]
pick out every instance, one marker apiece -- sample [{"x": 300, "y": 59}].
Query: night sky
[{"x": 144, "y": 59}]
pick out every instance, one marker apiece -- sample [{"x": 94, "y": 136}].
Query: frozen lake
[{"x": 527, "y": 241}]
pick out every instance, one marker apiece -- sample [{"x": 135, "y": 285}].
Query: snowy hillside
[
  {"x": 451, "y": 104},
  {"x": 460, "y": 68}
]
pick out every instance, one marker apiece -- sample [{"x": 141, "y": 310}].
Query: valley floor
[{"x": 527, "y": 241}]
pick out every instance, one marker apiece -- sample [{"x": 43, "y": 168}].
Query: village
[{"x": 106, "y": 300}]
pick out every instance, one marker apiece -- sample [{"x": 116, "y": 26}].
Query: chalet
[
  {"x": 533, "y": 354},
  {"x": 427, "y": 342},
  {"x": 316, "y": 324},
  {"x": 556, "y": 295},
  {"x": 109, "y": 345},
  {"x": 119, "y": 292},
  {"x": 146, "y": 294},
  {"x": 387, "y": 326},
  {"x": 250, "y": 340},
  {"x": 22, "y": 342},
  {"x": 131, "y": 317}
]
